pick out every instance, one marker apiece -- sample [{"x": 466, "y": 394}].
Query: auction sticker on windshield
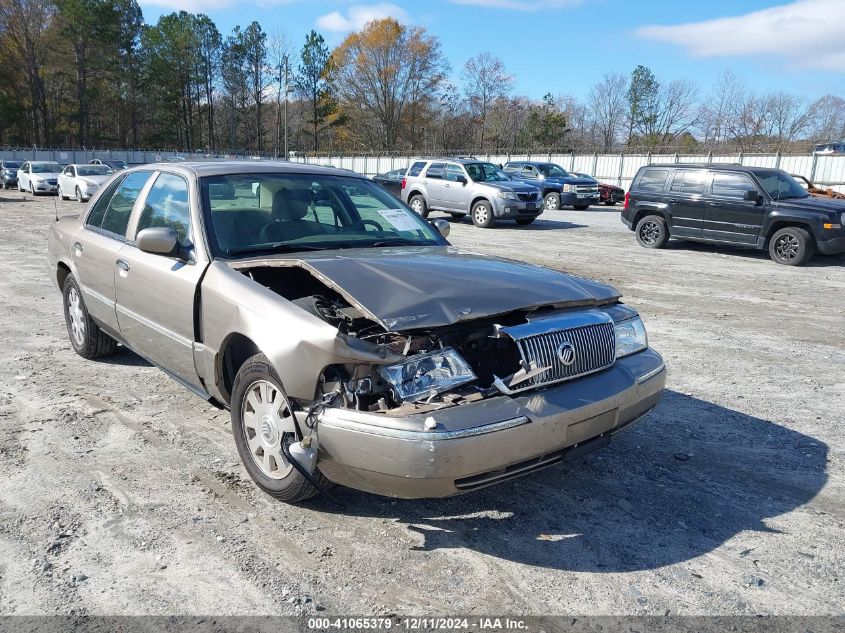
[{"x": 400, "y": 219}]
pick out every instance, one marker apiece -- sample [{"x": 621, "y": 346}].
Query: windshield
[
  {"x": 255, "y": 213},
  {"x": 552, "y": 171},
  {"x": 485, "y": 172},
  {"x": 780, "y": 185},
  {"x": 117, "y": 164},
  {"x": 46, "y": 168},
  {"x": 93, "y": 170},
  {"x": 11, "y": 164}
]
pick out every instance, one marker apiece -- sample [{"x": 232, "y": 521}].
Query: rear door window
[
  {"x": 727, "y": 185},
  {"x": 689, "y": 181},
  {"x": 435, "y": 170},
  {"x": 453, "y": 172},
  {"x": 416, "y": 168},
  {"x": 653, "y": 180}
]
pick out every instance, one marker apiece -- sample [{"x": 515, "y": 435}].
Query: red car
[{"x": 608, "y": 194}]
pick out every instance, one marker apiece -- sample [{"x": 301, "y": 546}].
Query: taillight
[
  {"x": 404, "y": 181},
  {"x": 627, "y": 198}
]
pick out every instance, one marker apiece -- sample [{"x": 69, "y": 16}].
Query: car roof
[
  {"x": 230, "y": 167},
  {"x": 453, "y": 159},
  {"x": 713, "y": 167}
]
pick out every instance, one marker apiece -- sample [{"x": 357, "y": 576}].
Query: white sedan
[
  {"x": 82, "y": 181},
  {"x": 38, "y": 176}
]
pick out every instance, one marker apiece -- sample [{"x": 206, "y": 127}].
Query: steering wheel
[{"x": 373, "y": 223}]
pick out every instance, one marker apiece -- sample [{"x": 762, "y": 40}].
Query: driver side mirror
[
  {"x": 442, "y": 226},
  {"x": 752, "y": 195},
  {"x": 157, "y": 240},
  {"x": 461, "y": 179}
]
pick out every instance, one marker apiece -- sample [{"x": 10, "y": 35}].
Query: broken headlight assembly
[
  {"x": 425, "y": 375},
  {"x": 630, "y": 337}
]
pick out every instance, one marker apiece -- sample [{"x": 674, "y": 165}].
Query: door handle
[
  {"x": 123, "y": 265},
  {"x": 78, "y": 248},
  {"x": 716, "y": 204},
  {"x": 672, "y": 200}
]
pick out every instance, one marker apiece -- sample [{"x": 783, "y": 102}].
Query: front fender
[{"x": 298, "y": 344}]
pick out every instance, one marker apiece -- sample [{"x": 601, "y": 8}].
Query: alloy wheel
[
  {"x": 787, "y": 247},
  {"x": 480, "y": 214},
  {"x": 551, "y": 203},
  {"x": 416, "y": 205},
  {"x": 650, "y": 233},
  {"x": 266, "y": 413},
  {"x": 77, "y": 317},
  {"x": 78, "y": 195}
]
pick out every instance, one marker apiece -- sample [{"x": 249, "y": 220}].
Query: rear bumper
[
  {"x": 833, "y": 246},
  {"x": 489, "y": 441}
]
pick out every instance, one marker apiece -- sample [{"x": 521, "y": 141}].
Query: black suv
[{"x": 754, "y": 207}]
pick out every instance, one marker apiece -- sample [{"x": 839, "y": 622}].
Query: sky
[{"x": 565, "y": 46}]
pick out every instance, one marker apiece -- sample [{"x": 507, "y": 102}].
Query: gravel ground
[{"x": 122, "y": 493}]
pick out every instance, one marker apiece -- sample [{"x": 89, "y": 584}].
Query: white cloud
[
  {"x": 357, "y": 16},
  {"x": 205, "y": 6},
  {"x": 806, "y": 33},
  {"x": 521, "y": 5}
]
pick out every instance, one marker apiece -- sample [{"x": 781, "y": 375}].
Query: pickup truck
[
  {"x": 559, "y": 187},
  {"x": 351, "y": 343}
]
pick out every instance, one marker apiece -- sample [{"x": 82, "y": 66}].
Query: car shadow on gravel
[
  {"x": 123, "y": 356},
  {"x": 678, "y": 485},
  {"x": 701, "y": 247}
]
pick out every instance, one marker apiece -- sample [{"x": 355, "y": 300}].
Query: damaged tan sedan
[{"x": 350, "y": 341}]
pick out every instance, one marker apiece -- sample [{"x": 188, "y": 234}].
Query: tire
[
  {"x": 652, "y": 232},
  {"x": 552, "y": 201},
  {"x": 417, "y": 203},
  {"x": 260, "y": 428},
  {"x": 59, "y": 193},
  {"x": 482, "y": 215},
  {"x": 525, "y": 221},
  {"x": 79, "y": 197},
  {"x": 88, "y": 340},
  {"x": 32, "y": 189},
  {"x": 791, "y": 246},
  {"x": 581, "y": 207}
]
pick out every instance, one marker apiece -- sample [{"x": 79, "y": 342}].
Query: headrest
[{"x": 291, "y": 204}]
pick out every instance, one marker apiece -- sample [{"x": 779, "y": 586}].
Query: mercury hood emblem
[{"x": 566, "y": 353}]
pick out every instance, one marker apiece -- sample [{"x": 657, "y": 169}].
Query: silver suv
[{"x": 462, "y": 186}]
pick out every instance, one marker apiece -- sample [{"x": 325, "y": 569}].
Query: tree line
[{"x": 93, "y": 74}]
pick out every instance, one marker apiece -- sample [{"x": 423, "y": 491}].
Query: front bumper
[
  {"x": 504, "y": 209},
  {"x": 45, "y": 187},
  {"x": 832, "y": 246},
  {"x": 485, "y": 442}
]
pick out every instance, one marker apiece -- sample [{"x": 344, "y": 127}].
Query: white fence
[{"x": 619, "y": 169}]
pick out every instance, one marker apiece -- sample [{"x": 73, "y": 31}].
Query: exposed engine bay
[{"x": 446, "y": 365}]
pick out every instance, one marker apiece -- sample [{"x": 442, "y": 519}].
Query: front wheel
[
  {"x": 791, "y": 246},
  {"x": 79, "y": 197},
  {"x": 417, "y": 203},
  {"x": 32, "y": 190},
  {"x": 652, "y": 232},
  {"x": 262, "y": 418},
  {"x": 88, "y": 340},
  {"x": 525, "y": 221},
  {"x": 482, "y": 215},
  {"x": 552, "y": 201}
]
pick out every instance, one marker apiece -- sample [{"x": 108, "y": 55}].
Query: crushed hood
[{"x": 426, "y": 287}]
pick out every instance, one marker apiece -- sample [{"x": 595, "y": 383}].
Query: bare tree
[
  {"x": 606, "y": 106},
  {"x": 788, "y": 117},
  {"x": 485, "y": 82},
  {"x": 718, "y": 108},
  {"x": 827, "y": 118}
]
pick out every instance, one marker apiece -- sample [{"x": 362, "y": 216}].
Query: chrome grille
[
  {"x": 591, "y": 334},
  {"x": 587, "y": 189}
]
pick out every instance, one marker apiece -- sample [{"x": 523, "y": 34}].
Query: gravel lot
[{"x": 122, "y": 493}]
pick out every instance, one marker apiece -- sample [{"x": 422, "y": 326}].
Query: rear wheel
[
  {"x": 552, "y": 201},
  {"x": 417, "y": 203},
  {"x": 482, "y": 214},
  {"x": 791, "y": 246},
  {"x": 88, "y": 340},
  {"x": 652, "y": 232},
  {"x": 524, "y": 221},
  {"x": 262, "y": 418}
]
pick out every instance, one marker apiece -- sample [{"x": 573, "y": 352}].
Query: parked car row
[{"x": 78, "y": 181}]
